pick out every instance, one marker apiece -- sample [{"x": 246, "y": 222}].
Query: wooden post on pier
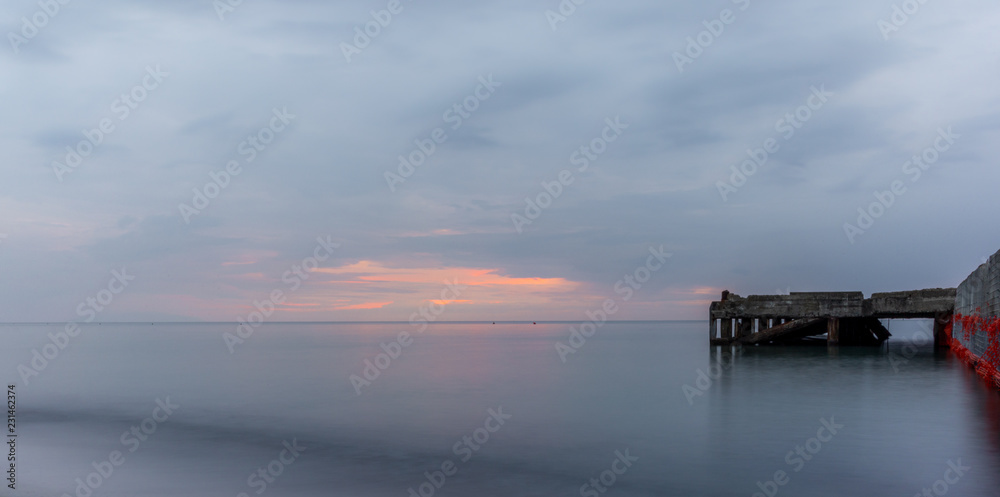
[
  {"x": 746, "y": 327},
  {"x": 832, "y": 331},
  {"x": 727, "y": 329}
]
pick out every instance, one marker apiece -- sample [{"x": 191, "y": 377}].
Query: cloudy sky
[{"x": 643, "y": 108}]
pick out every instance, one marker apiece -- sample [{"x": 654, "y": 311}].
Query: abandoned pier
[
  {"x": 846, "y": 318},
  {"x": 965, "y": 318}
]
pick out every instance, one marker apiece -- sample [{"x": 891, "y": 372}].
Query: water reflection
[{"x": 703, "y": 420}]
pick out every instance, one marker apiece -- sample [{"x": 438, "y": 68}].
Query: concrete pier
[
  {"x": 846, "y": 318},
  {"x": 966, "y": 319}
]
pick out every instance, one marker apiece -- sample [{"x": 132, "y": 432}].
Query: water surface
[{"x": 700, "y": 420}]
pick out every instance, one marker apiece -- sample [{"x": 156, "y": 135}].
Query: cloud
[
  {"x": 451, "y": 218},
  {"x": 366, "y": 305}
]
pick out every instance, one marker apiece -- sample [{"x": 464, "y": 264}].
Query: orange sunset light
[
  {"x": 368, "y": 271},
  {"x": 365, "y": 286},
  {"x": 366, "y": 305}
]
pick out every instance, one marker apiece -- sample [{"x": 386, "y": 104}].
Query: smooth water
[{"x": 905, "y": 414}]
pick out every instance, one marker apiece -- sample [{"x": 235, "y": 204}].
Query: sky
[{"x": 488, "y": 160}]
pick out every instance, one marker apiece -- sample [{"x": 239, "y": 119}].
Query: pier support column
[
  {"x": 746, "y": 327},
  {"x": 941, "y": 320},
  {"x": 761, "y": 324},
  {"x": 713, "y": 325},
  {"x": 727, "y": 329},
  {"x": 833, "y": 331}
]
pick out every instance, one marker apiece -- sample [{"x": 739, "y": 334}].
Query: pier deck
[{"x": 845, "y": 317}]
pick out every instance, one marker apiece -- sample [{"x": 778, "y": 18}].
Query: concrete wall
[
  {"x": 796, "y": 305},
  {"x": 799, "y": 305},
  {"x": 974, "y": 334},
  {"x": 914, "y": 304}
]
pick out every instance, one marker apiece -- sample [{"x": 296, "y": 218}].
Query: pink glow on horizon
[
  {"x": 375, "y": 290},
  {"x": 369, "y": 271}
]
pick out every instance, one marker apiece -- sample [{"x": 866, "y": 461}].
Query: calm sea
[{"x": 640, "y": 409}]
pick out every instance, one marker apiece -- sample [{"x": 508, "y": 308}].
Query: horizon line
[{"x": 53, "y": 323}]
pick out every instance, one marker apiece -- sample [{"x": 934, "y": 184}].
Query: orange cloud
[
  {"x": 366, "y": 305},
  {"x": 359, "y": 289},
  {"x": 238, "y": 263},
  {"x": 252, "y": 276},
  {"x": 368, "y": 271}
]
